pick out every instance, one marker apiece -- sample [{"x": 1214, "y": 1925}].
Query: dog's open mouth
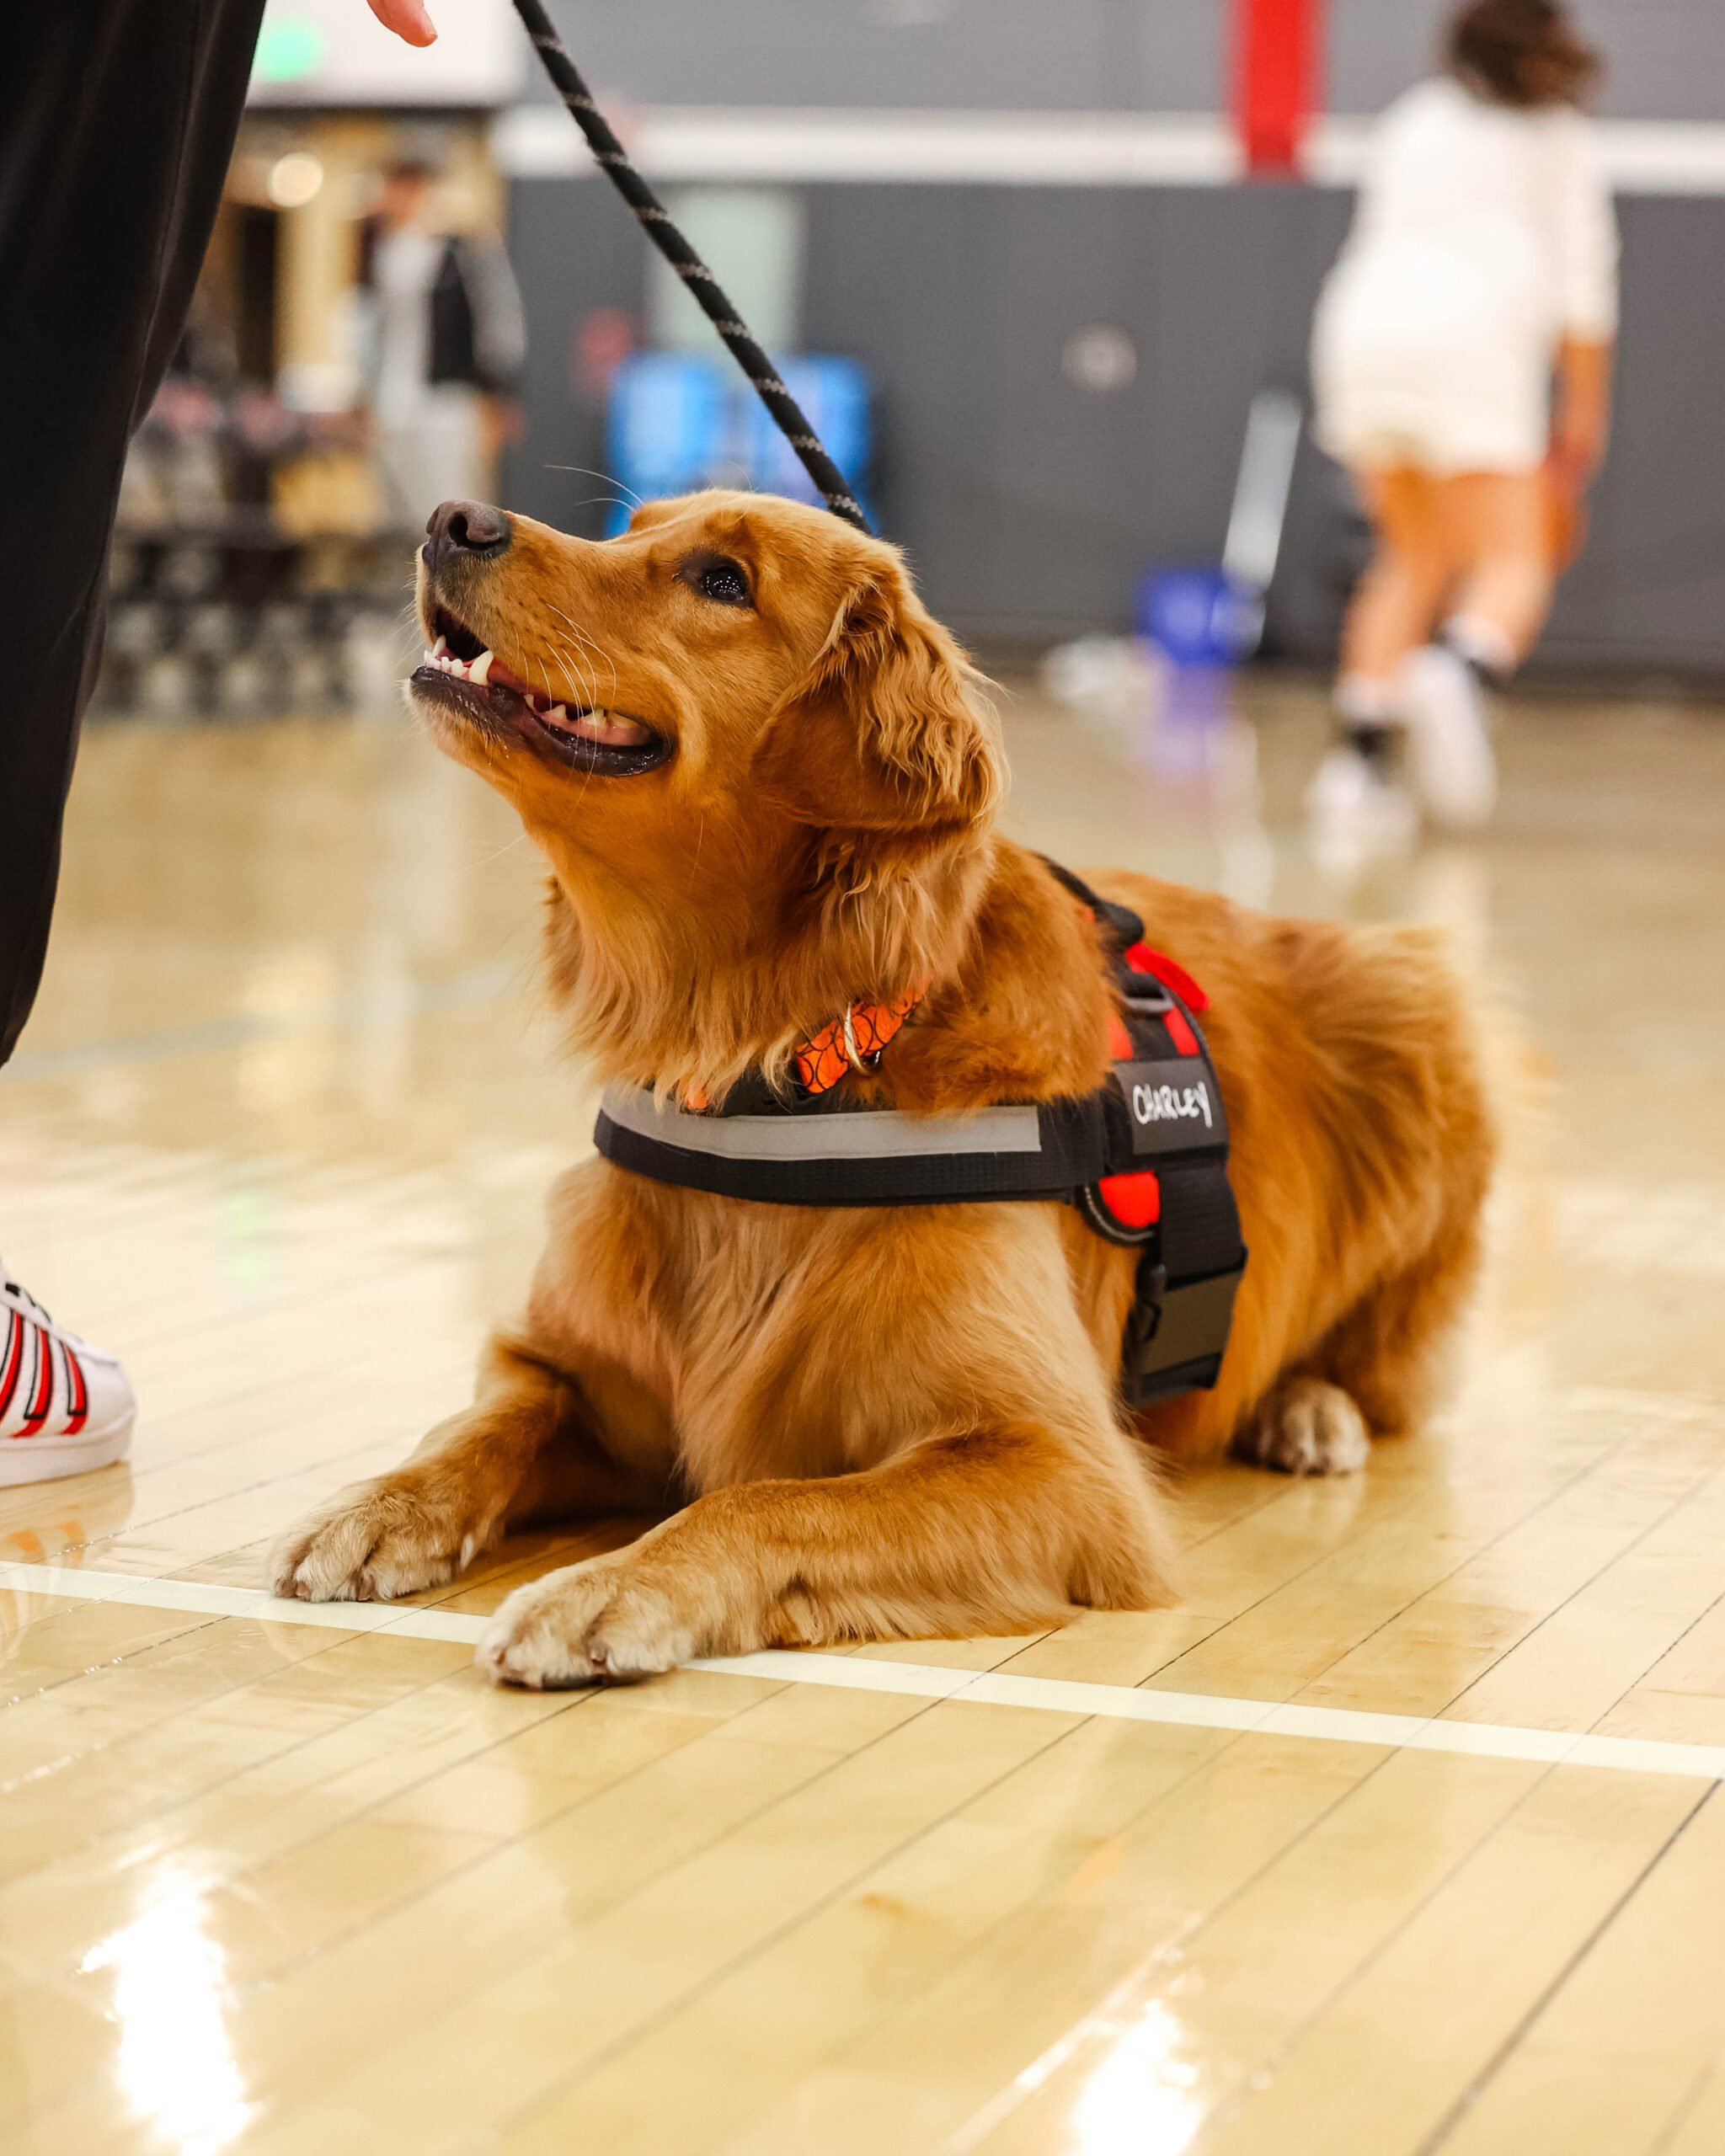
[{"x": 459, "y": 671}]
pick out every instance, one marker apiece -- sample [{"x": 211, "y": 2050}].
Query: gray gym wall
[
  {"x": 1030, "y": 505},
  {"x": 1668, "y": 57}
]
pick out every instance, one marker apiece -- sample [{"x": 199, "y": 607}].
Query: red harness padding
[{"x": 1135, "y": 1201}]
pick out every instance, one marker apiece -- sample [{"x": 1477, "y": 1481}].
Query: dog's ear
[{"x": 885, "y": 732}]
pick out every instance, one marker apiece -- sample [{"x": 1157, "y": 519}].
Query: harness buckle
[{"x": 1144, "y": 1320}]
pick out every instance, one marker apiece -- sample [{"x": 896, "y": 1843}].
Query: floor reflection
[
  {"x": 1139, "y": 2099},
  {"x": 175, "y": 2061}
]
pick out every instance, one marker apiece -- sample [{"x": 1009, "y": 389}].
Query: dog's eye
[{"x": 724, "y": 583}]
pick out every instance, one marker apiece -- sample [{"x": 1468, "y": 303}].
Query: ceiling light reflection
[
  {"x": 175, "y": 2062},
  {"x": 1141, "y": 2100}
]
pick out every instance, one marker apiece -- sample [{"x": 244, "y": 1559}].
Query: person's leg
[
  {"x": 1411, "y": 569},
  {"x": 1497, "y": 527},
  {"x": 117, "y": 121},
  {"x": 1493, "y": 528},
  {"x": 1353, "y": 800}
]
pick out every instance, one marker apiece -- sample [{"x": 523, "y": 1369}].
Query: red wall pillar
[{"x": 1278, "y": 54}]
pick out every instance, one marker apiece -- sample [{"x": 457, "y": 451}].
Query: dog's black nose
[{"x": 464, "y": 528}]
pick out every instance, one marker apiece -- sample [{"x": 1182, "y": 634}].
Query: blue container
[
  {"x": 666, "y": 423},
  {"x": 1198, "y": 617},
  {"x": 678, "y": 421}
]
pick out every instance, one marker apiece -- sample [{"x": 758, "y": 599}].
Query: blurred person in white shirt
[{"x": 1479, "y": 277}]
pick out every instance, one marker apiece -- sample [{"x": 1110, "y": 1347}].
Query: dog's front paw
[
  {"x": 373, "y": 1541},
  {"x": 594, "y": 1623},
  {"x": 1307, "y": 1427}
]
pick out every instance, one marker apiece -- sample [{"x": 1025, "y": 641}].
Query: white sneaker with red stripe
[{"x": 65, "y": 1406}]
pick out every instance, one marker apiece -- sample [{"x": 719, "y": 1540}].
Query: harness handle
[{"x": 656, "y": 222}]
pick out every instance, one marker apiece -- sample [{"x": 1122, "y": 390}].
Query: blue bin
[
  {"x": 1198, "y": 617},
  {"x": 677, "y": 421}
]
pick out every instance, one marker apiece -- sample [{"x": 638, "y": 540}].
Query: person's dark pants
[{"x": 117, "y": 121}]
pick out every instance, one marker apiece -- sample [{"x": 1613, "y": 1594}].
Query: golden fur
[{"x": 905, "y": 1421}]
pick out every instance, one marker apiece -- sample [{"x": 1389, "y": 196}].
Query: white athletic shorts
[{"x": 1428, "y": 377}]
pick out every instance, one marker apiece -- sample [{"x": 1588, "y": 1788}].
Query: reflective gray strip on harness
[
  {"x": 881, "y": 1132},
  {"x": 839, "y": 1155}
]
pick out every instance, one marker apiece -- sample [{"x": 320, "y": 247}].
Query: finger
[{"x": 408, "y": 18}]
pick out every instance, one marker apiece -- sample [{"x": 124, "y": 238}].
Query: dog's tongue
[
  {"x": 601, "y": 726},
  {"x": 503, "y": 677}
]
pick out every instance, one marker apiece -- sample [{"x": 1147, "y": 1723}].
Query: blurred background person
[
  {"x": 441, "y": 338},
  {"x": 1481, "y": 265}
]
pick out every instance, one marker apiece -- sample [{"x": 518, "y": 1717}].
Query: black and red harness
[{"x": 1143, "y": 1158}]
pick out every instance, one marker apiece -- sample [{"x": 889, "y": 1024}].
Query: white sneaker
[
  {"x": 1448, "y": 738},
  {"x": 1356, "y": 813},
  {"x": 65, "y": 1406}
]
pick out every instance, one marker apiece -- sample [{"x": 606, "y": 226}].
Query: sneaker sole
[{"x": 50, "y": 1459}]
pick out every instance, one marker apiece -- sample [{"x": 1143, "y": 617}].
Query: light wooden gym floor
[{"x": 1401, "y": 1832}]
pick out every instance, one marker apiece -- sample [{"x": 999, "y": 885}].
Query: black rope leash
[{"x": 656, "y": 222}]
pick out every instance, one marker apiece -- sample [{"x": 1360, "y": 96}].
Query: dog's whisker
[
  {"x": 585, "y": 644},
  {"x": 570, "y": 659},
  {"x": 590, "y": 644},
  {"x": 579, "y": 652},
  {"x": 589, "y": 683},
  {"x": 700, "y": 839},
  {"x": 556, "y": 656},
  {"x": 587, "y": 471},
  {"x": 557, "y": 653}
]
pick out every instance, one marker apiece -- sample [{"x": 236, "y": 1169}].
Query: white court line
[{"x": 1060, "y": 1695}]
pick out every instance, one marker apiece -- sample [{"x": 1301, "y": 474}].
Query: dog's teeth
[
  {"x": 440, "y": 647},
  {"x": 427, "y": 656},
  {"x": 560, "y": 712},
  {"x": 479, "y": 670}
]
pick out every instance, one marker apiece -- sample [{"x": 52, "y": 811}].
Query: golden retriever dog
[{"x": 765, "y": 784}]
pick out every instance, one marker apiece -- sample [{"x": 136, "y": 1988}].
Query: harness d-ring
[{"x": 851, "y": 1047}]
